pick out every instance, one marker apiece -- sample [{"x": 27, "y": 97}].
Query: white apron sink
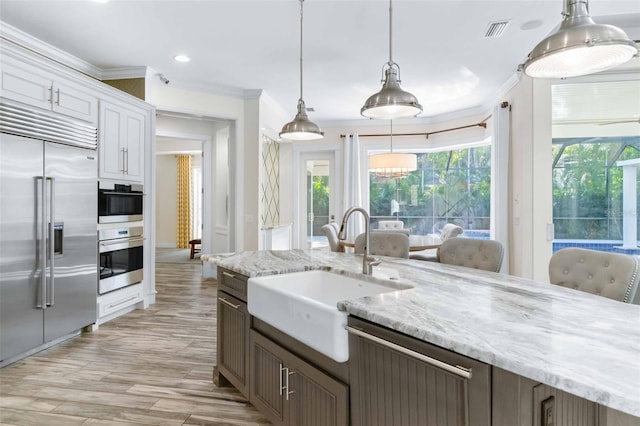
[{"x": 304, "y": 305}]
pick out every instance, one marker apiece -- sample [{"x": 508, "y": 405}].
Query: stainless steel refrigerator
[{"x": 48, "y": 220}]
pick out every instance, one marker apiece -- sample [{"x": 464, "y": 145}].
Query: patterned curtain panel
[{"x": 183, "y": 233}]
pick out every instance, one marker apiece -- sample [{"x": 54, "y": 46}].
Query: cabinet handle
[
  {"x": 122, "y": 151},
  {"x": 58, "y": 97},
  {"x": 226, "y": 274},
  {"x": 50, "y": 100},
  {"x": 455, "y": 369},
  {"x": 280, "y": 385},
  {"x": 126, "y": 152},
  {"x": 226, "y": 302}
]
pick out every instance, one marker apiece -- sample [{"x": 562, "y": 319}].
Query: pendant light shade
[
  {"x": 579, "y": 47},
  {"x": 301, "y": 128},
  {"x": 391, "y": 101},
  {"x": 392, "y": 164}
]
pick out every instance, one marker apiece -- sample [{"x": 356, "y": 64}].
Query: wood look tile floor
[{"x": 151, "y": 366}]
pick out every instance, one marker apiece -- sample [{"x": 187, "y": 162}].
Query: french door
[{"x": 317, "y": 193}]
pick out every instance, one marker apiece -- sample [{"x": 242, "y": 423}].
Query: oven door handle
[
  {"x": 140, "y": 194},
  {"x": 121, "y": 243}
]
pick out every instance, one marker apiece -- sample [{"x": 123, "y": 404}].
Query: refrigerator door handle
[
  {"x": 42, "y": 250},
  {"x": 51, "y": 240}
]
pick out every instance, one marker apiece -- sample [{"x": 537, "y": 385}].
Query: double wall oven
[{"x": 121, "y": 238}]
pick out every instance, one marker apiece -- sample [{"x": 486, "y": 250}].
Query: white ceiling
[{"x": 240, "y": 45}]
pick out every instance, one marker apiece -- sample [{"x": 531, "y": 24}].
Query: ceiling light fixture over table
[
  {"x": 579, "y": 47},
  {"x": 301, "y": 128},
  {"x": 391, "y": 101},
  {"x": 392, "y": 164}
]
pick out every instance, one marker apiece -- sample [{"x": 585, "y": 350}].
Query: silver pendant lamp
[
  {"x": 391, "y": 101},
  {"x": 392, "y": 164},
  {"x": 579, "y": 47},
  {"x": 301, "y": 128}
]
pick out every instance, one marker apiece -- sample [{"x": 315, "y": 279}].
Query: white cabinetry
[
  {"x": 121, "y": 142},
  {"x": 31, "y": 86},
  {"x": 119, "y": 302}
]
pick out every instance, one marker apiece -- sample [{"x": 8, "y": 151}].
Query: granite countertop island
[{"x": 583, "y": 344}]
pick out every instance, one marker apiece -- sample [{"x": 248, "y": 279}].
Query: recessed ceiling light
[{"x": 182, "y": 58}]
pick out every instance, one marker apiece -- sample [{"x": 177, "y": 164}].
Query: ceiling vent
[{"x": 496, "y": 29}]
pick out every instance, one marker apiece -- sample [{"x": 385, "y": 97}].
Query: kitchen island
[{"x": 582, "y": 344}]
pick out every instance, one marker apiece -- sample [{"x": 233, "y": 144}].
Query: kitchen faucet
[{"x": 368, "y": 262}]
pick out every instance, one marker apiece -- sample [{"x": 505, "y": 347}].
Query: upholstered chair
[
  {"x": 612, "y": 275},
  {"x": 472, "y": 253},
  {"x": 330, "y": 230},
  {"x": 448, "y": 231},
  {"x": 393, "y": 244},
  {"x": 390, "y": 224}
]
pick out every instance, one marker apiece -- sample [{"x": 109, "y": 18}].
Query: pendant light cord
[
  {"x": 301, "y": 5},
  {"x": 391, "y": 136},
  {"x": 390, "y": 32}
]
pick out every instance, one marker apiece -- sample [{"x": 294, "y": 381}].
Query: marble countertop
[{"x": 583, "y": 344}]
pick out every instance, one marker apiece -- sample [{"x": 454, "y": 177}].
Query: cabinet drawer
[
  {"x": 233, "y": 283},
  {"x": 118, "y": 300}
]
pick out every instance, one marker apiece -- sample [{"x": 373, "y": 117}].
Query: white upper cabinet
[
  {"x": 29, "y": 85},
  {"x": 121, "y": 142}
]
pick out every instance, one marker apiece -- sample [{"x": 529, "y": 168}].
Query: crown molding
[
  {"x": 27, "y": 41},
  {"x": 124, "y": 73}
]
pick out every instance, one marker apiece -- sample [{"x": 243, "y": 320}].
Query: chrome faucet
[{"x": 368, "y": 262}]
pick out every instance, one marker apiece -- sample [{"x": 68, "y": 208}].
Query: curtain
[
  {"x": 500, "y": 179},
  {"x": 183, "y": 231},
  {"x": 352, "y": 185}
]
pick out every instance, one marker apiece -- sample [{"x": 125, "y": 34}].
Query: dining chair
[
  {"x": 392, "y": 244},
  {"x": 472, "y": 253},
  {"x": 612, "y": 275},
  {"x": 449, "y": 230},
  {"x": 390, "y": 224},
  {"x": 330, "y": 230}
]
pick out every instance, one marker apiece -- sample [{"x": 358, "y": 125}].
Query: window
[
  {"x": 449, "y": 186},
  {"x": 588, "y": 190}
]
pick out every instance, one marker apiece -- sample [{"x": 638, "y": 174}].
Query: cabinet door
[
  {"x": 268, "y": 378},
  {"x": 111, "y": 143},
  {"x": 233, "y": 339},
  {"x": 74, "y": 103},
  {"x": 390, "y": 385},
  {"x": 315, "y": 398},
  {"x": 24, "y": 85},
  {"x": 133, "y": 146}
]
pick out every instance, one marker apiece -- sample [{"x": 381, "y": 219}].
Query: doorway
[{"x": 317, "y": 194}]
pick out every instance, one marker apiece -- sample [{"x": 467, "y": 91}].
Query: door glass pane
[
  {"x": 596, "y": 157},
  {"x": 318, "y": 202}
]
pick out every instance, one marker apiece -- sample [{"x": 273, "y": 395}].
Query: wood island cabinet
[
  {"x": 232, "y": 331},
  {"x": 290, "y": 391},
  {"x": 399, "y": 380}
]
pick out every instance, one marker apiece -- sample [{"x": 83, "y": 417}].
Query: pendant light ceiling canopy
[
  {"x": 392, "y": 164},
  {"x": 579, "y": 47},
  {"x": 301, "y": 128},
  {"x": 391, "y": 101}
]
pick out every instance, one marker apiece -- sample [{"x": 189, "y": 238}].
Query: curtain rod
[{"x": 426, "y": 134}]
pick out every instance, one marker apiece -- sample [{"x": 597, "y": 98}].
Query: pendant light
[
  {"x": 391, "y": 101},
  {"x": 392, "y": 164},
  {"x": 579, "y": 47},
  {"x": 301, "y": 128}
]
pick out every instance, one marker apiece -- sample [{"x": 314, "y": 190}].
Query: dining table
[{"x": 416, "y": 242}]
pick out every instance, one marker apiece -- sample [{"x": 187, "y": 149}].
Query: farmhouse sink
[{"x": 304, "y": 305}]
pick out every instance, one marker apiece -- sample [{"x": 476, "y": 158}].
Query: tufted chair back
[
  {"x": 384, "y": 244},
  {"x": 330, "y": 230},
  {"x": 450, "y": 230},
  {"x": 390, "y": 224},
  {"x": 472, "y": 253},
  {"x": 612, "y": 275}
]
